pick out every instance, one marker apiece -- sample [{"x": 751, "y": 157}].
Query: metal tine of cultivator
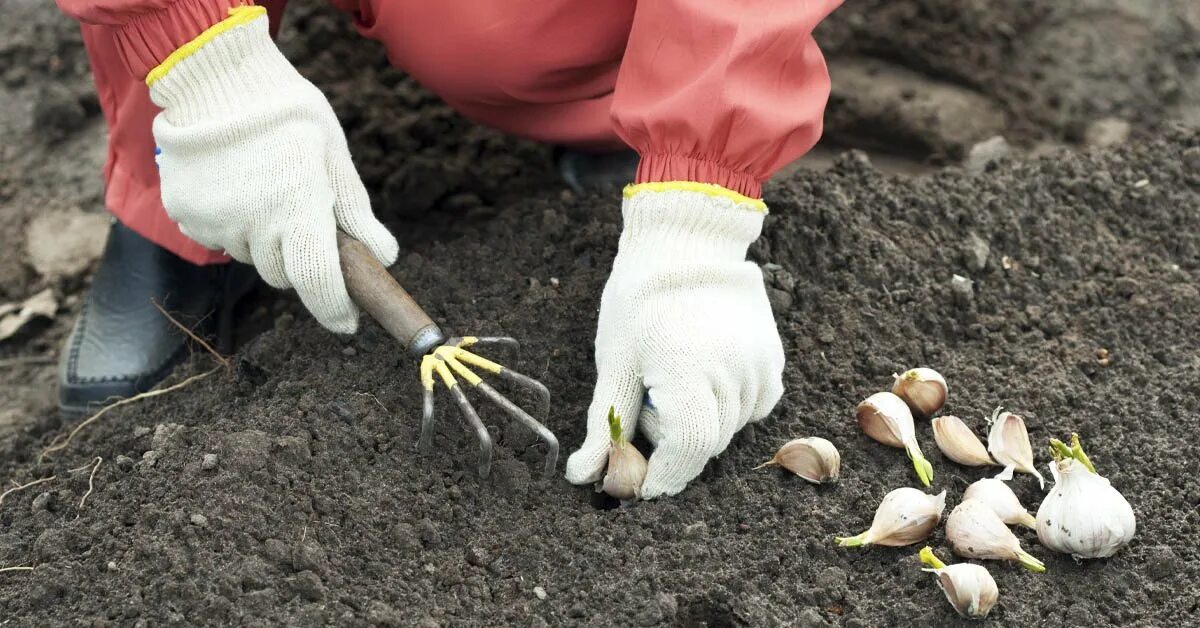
[
  {"x": 456, "y": 356},
  {"x": 538, "y": 388},
  {"x": 452, "y": 359},
  {"x": 507, "y": 374},
  {"x": 529, "y": 422},
  {"x": 426, "y": 440},
  {"x": 481, "y": 431},
  {"x": 437, "y": 364},
  {"x": 503, "y": 341}
]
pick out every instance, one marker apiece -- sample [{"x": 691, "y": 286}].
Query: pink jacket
[{"x": 716, "y": 91}]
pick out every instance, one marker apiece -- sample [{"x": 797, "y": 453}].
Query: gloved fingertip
[
  {"x": 345, "y": 324},
  {"x": 387, "y": 250},
  {"x": 377, "y": 239},
  {"x": 587, "y": 464},
  {"x": 683, "y": 450}
]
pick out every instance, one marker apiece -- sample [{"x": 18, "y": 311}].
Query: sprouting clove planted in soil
[{"x": 626, "y": 465}]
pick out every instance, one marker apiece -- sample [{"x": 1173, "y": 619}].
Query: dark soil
[{"x": 318, "y": 510}]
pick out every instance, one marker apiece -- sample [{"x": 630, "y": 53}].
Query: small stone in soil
[
  {"x": 539, "y": 592},
  {"x": 429, "y": 533},
  {"x": 209, "y": 462},
  {"x": 124, "y": 463},
  {"x": 199, "y": 520},
  {"x": 165, "y": 434},
  {"x": 780, "y": 300},
  {"x": 986, "y": 152},
  {"x": 976, "y": 253},
  {"x": 696, "y": 530},
  {"x": 43, "y": 502},
  {"x": 962, "y": 289},
  {"x": 1106, "y": 133},
  {"x": 141, "y": 431},
  {"x": 149, "y": 459},
  {"x": 479, "y": 556},
  {"x": 111, "y": 566}
]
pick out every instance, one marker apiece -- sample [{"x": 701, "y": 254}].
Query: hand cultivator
[{"x": 446, "y": 361}]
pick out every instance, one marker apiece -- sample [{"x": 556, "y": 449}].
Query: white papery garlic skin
[
  {"x": 969, "y": 588},
  {"x": 923, "y": 389},
  {"x": 959, "y": 443},
  {"x": 905, "y": 516},
  {"x": 1083, "y": 515},
  {"x": 1002, "y": 500},
  {"x": 1008, "y": 442}
]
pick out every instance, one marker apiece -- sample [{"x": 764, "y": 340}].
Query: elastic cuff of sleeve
[
  {"x": 150, "y": 37},
  {"x": 237, "y": 17},
  {"x": 661, "y": 167},
  {"x": 708, "y": 189}
]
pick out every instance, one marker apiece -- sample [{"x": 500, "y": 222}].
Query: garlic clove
[
  {"x": 969, "y": 588},
  {"x": 1002, "y": 500},
  {"x": 975, "y": 531},
  {"x": 626, "y": 465},
  {"x": 886, "y": 418},
  {"x": 1008, "y": 442},
  {"x": 814, "y": 459},
  {"x": 959, "y": 443},
  {"x": 1083, "y": 515},
  {"x": 923, "y": 389},
  {"x": 905, "y": 516}
]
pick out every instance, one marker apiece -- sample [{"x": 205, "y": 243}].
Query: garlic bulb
[
  {"x": 1002, "y": 500},
  {"x": 959, "y": 443},
  {"x": 1083, "y": 515},
  {"x": 923, "y": 389},
  {"x": 905, "y": 516},
  {"x": 885, "y": 418},
  {"x": 970, "y": 589},
  {"x": 626, "y": 465},
  {"x": 1008, "y": 442},
  {"x": 814, "y": 459},
  {"x": 975, "y": 531}
]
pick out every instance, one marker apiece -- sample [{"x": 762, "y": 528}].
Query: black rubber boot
[
  {"x": 592, "y": 171},
  {"x": 121, "y": 344}
]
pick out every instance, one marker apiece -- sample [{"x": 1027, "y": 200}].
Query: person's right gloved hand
[{"x": 253, "y": 161}]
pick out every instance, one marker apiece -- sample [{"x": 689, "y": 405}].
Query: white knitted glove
[
  {"x": 685, "y": 318},
  {"x": 253, "y": 161}
]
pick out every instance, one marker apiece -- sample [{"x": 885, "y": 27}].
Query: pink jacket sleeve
[
  {"x": 722, "y": 91},
  {"x": 147, "y": 31}
]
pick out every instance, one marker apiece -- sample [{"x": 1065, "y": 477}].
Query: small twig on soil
[
  {"x": 376, "y": 399},
  {"x": 2, "y": 570},
  {"x": 220, "y": 358},
  {"x": 89, "y": 465},
  {"x": 21, "y": 487},
  {"x": 91, "y": 483},
  {"x": 146, "y": 395},
  {"x": 26, "y": 360}
]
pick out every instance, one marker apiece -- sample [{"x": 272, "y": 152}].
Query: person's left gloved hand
[{"x": 685, "y": 318}]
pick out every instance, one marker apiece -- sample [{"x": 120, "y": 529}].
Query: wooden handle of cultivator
[{"x": 377, "y": 292}]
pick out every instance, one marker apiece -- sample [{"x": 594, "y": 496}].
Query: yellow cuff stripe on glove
[
  {"x": 237, "y": 17},
  {"x": 710, "y": 189}
]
